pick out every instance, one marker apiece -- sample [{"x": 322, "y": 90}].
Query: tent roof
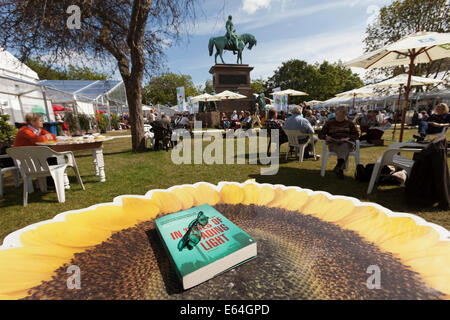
[
  {"x": 11, "y": 67},
  {"x": 92, "y": 89}
]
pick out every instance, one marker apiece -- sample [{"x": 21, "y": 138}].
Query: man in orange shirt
[{"x": 31, "y": 133}]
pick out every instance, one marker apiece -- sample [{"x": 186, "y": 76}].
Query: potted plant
[
  {"x": 7, "y": 135},
  {"x": 102, "y": 122}
]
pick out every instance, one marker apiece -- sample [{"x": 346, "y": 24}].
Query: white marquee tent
[{"x": 20, "y": 91}]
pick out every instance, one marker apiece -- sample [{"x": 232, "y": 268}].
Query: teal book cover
[{"x": 201, "y": 238}]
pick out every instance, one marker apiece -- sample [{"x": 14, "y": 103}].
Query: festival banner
[
  {"x": 190, "y": 104},
  {"x": 284, "y": 103},
  {"x": 277, "y": 99},
  {"x": 180, "y": 99}
]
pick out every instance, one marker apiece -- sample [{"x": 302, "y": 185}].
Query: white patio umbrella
[
  {"x": 314, "y": 102},
  {"x": 205, "y": 97},
  {"x": 420, "y": 47},
  {"x": 229, "y": 95},
  {"x": 362, "y": 92},
  {"x": 289, "y": 92},
  {"x": 225, "y": 95},
  {"x": 399, "y": 82}
]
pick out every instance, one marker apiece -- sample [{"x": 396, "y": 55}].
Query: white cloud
[
  {"x": 341, "y": 45},
  {"x": 251, "y": 6}
]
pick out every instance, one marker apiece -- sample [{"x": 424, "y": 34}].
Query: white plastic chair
[
  {"x": 391, "y": 157},
  {"x": 326, "y": 153},
  {"x": 293, "y": 136},
  {"x": 32, "y": 162},
  {"x": 14, "y": 170},
  {"x": 149, "y": 136}
]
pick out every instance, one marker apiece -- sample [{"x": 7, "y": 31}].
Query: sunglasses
[{"x": 193, "y": 235}]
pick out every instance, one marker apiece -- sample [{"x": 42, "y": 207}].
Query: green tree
[
  {"x": 46, "y": 71},
  {"x": 162, "y": 89},
  {"x": 401, "y": 18},
  {"x": 258, "y": 85},
  {"x": 320, "y": 81}
]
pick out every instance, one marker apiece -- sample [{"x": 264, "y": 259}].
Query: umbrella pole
[
  {"x": 354, "y": 96},
  {"x": 408, "y": 87},
  {"x": 396, "y": 112}
]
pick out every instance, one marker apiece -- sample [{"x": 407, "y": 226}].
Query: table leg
[
  {"x": 62, "y": 160},
  {"x": 94, "y": 157},
  {"x": 98, "y": 156}
]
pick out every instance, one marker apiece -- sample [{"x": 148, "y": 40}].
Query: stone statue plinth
[
  {"x": 209, "y": 119},
  {"x": 236, "y": 78}
]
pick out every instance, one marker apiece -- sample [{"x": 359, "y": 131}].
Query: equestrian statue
[{"x": 231, "y": 42}]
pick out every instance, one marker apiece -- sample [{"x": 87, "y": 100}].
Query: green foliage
[
  {"x": 102, "y": 122},
  {"x": 258, "y": 85},
  {"x": 7, "y": 131},
  {"x": 163, "y": 88},
  {"x": 49, "y": 72},
  {"x": 115, "y": 121},
  {"x": 84, "y": 121},
  {"x": 72, "y": 121},
  {"x": 404, "y": 17},
  {"x": 321, "y": 81}
]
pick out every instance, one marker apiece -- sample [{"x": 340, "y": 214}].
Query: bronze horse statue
[{"x": 222, "y": 43}]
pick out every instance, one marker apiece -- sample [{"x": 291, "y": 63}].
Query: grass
[{"x": 130, "y": 173}]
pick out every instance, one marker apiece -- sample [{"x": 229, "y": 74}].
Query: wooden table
[{"x": 97, "y": 154}]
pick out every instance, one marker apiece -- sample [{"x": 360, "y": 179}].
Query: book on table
[{"x": 202, "y": 243}]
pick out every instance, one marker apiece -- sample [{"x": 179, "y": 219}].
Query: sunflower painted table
[
  {"x": 311, "y": 245},
  {"x": 96, "y": 145}
]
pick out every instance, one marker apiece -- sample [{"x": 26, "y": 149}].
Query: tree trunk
[{"x": 133, "y": 88}]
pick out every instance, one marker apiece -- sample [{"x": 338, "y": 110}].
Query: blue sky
[{"x": 309, "y": 30}]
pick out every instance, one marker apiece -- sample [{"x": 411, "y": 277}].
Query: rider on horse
[{"x": 231, "y": 34}]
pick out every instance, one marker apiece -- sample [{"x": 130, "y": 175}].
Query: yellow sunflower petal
[
  {"x": 206, "y": 194},
  {"x": 185, "y": 196},
  {"x": 167, "y": 202},
  {"x": 265, "y": 195},
  {"x": 65, "y": 234},
  {"x": 108, "y": 218},
  {"x": 140, "y": 209},
  {"x": 251, "y": 194},
  {"x": 231, "y": 194},
  {"x": 24, "y": 268}
]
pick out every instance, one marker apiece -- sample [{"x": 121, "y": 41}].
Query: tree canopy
[
  {"x": 320, "y": 81},
  {"x": 404, "y": 17},
  {"x": 46, "y": 71},
  {"x": 161, "y": 89}
]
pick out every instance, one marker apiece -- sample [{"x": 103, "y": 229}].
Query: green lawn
[{"x": 129, "y": 173}]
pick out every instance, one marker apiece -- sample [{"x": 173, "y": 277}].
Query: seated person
[
  {"x": 365, "y": 121},
  {"x": 435, "y": 123},
  {"x": 32, "y": 133},
  {"x": 241, "y": 116},
  {"x": 225, "y": 121},
  {"x": 246, "y": 123},
  {"x": 297, "y": 122},
  {"x": 373, "y": 125},
  {"x": 184, "y": 122},
  {"x": 163, "y": 132},
  {"x": 235, "y": 120},
  {"x": 310, "y": 117},
  {"x": 234, "y": 116},
  {"x": 340, "y": 135},
  {"x": 273, "y": 123},
  {"x": 322, "y": 118}
]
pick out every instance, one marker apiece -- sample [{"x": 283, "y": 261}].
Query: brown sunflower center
[{"x": 299, "y": 257}]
